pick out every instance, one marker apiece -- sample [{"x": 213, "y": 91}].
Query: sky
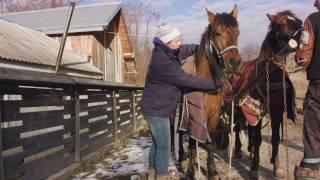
[{"x": 190, "y": 15}]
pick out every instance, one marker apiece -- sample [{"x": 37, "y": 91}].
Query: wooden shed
[
  {"x": 97, "y": 33},
  {"x": 26, "y": 49}
]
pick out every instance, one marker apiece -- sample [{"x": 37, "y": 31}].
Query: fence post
[
  {"x": 134, "y": 110},
  {"x": 115, "y": 117},
  {"x": 1, "y": 158},
  {"x": 77, "y": 124}
]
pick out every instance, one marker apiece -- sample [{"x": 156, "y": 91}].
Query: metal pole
[
  {"x": 77, "y": 125},
  {"x": 64, "y": 37}
]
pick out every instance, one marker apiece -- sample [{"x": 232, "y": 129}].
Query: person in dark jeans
[
  {"x": 309, "y": 57},
  {"x": 162, "y": 92}
]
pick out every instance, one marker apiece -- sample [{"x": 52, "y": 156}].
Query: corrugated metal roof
[
  {"x": 52, "y": 21},
  {"x": 18, "y": 43}
]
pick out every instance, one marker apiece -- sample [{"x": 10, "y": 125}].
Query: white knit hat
[{"x": 167, "y": 33}]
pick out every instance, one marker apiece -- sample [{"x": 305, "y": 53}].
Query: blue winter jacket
[{"x": 165, "y": 80}]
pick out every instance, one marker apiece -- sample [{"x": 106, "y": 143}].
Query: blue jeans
[{"x": 160, "y": 149}]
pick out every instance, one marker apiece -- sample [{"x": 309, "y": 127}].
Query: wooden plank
[
  {"x": 1, "y": 157},
  {"x": 124, "y": 103},
  {"x": 14, "y": 115},
  {"x": 94, "y": 108},
  {"x": 125, "y": 107},
  {"x": 69, "y": 159},
  {"x": 10, "y": 113},
  {"x": 35, "y": 102},
  {"x": 99, "y": 126},
  {"x": 77, "y": 127},
  {"x": 102, "y": 92},
  {"x": 40, "y": 143},
  {"x": 84, "y": 122},
  {"x": 11, "y": 137},
  {"x": 98, "y": 113},
  {"x": 97, "y": 143},
  {"x": 37, "y": 120},
  {"x": 44, "y": 167},
  {"x": 34, "y": 77},
  {"x": 124, "y": 93},
  {"x": 84, "y": 102},
  {"x": 13, "y": 166},
  {"x": 69, "y": 145},
  {"x": 69, "y": 125},
  {"x": 84, "y": 139},
  {"x": 69, "y": 107},
  {"x": 13, "y": 89}
]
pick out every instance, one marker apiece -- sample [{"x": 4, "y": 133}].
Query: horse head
[
  {"x": 221, "y": 40},
  {"x": 283, "y": 36}
]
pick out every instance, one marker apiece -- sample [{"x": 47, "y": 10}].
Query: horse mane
[
  {"x": 224, "y": 19},
  {"x": 267, "y": 47}
]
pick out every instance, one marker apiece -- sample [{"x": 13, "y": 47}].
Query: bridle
[{"x": 215, "y": 55}]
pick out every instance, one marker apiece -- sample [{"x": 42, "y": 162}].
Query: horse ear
[
  {"x": 272, "y": 18},
  {"x": 234, "y": 12},
  {"x": 210, "y": 16}
]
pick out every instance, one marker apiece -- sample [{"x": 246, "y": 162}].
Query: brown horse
[
  {"x": 252, "y": 80},
  {"x": 218, "y": 57}
]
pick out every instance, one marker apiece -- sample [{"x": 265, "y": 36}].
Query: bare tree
[
  {"x": 250, "y": 52},
  {"x": 139, "y": 16},
  {"x": 26, "y": 5}
]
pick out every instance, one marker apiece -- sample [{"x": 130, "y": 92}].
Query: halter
[
  {"x": 215, "y": 55},
  {"x": 285, "y": 46}
]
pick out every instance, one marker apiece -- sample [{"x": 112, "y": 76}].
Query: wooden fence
[{"x": 49, "y": 122}]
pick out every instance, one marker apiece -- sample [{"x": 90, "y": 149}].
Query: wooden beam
[
  {"x": 24, "y": 77},
  {"x": 77, "y": 125},
  {"x": 134, "y": 110},
  {"x": 1, "y": 158},
  {"x": 115, "y": 118}
]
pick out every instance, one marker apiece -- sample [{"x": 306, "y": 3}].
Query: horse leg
[
  {"x": 237, "y": 152},
  {"x": 250, "y": 143},
  {"x": 181, "y": 152},
  {"x": 256, "y": 153},
  {"x": 276, "y": 116},
  {"x": 211, "y": 166},
  {"x": 192, "y": 156}
]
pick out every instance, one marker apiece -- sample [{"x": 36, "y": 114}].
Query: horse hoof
[
  {"x": 251, "y": 155},
  {"x": 278, "y": 173},
  {"x": 254, "y": 174},
  {"x": 184, "y": 165},
  {"x": 237, "y": 154}
]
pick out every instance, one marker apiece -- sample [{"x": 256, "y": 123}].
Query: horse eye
[{"x": 217, "y": 34}]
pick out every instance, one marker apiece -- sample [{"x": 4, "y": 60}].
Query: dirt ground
[
  {"x": 240, "y": 167},
  {"x": 125, "y": 165}
]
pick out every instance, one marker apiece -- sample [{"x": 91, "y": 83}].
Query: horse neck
[{"x": 202, "y": 64}]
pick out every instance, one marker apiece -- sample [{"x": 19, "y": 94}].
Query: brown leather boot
[
  {"x": 301, "y": 173},
  {"x": 151, "y": 173}
]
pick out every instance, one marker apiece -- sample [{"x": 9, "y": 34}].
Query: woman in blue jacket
[{"x": 162, "y": 92}]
